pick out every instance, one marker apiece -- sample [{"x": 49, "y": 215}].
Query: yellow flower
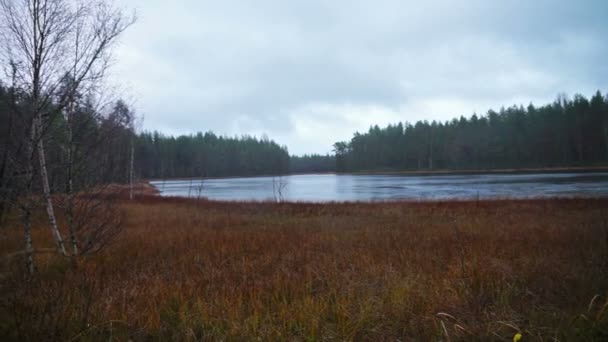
[{"x": 517, "y": 337}]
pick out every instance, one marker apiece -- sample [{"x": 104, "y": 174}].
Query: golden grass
[{"x": 199, "y": 270}]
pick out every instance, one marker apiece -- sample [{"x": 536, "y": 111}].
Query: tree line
[
  {"x": 208, "y": 155},
  {"x": 312, "y": 163},
  {"x": 565, "y": 133}
]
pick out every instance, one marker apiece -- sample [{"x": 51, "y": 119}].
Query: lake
[{"x": 345, "y": 187}]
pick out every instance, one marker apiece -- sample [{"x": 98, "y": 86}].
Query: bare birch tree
[
  {"x": 91, "y": 215},
  {"x": 47, "y": 42}
]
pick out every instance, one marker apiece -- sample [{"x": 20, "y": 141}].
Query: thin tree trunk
[
  {"x": 26, "y": 216},
  {"x": 131, "y": 169},
  {"x": 70, "y": 188},
  {"x": 37, "y": 125},
  {"x": 47, "y": 189}
]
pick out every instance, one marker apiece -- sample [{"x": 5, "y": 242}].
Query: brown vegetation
[
  {"x": 200, "y": 270},
  {"x": 122, "y": 190}
]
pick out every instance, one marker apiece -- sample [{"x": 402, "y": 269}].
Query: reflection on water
[{"x": 329, "y": 187}]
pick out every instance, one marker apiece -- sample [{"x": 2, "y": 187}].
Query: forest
[
  {"x": 565, "y": 133},
  {"x": 312, "y": 163},
  {"x": 208, "y": 155},
  {"x": 159, "y": 156}
]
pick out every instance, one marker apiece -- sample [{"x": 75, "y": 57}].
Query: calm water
[{"x": 322, "y": 188}]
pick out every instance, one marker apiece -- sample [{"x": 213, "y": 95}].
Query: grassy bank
[{"x": 188, "y": 270}]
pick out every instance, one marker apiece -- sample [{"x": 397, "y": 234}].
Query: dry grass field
[{"x": 202, "y": 270}]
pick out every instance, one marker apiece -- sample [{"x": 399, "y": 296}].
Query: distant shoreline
[
  {"x": 416, "y": 173},
  {"x": 485, "y": 171}
]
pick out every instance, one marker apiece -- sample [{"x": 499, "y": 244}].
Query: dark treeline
[
  {"x": 208, "y": 155},
  {"x": 312, "y": 163},
  {"x": 567, "y": 132},
  {"x": 84, "y": 146}
]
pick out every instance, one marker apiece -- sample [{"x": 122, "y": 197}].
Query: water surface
[{"x": 331, "y": 187}]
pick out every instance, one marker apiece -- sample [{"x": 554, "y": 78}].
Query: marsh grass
[{"x": 202, "y": 270}]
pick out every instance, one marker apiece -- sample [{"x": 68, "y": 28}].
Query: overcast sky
[{"x": 310, "y": 73}]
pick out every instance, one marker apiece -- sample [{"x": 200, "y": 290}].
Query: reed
[{"x": 203, "y": 270}]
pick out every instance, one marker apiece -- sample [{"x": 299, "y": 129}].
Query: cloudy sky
[{"x": 310, "y": 73}]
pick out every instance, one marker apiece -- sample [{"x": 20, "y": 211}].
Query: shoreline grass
[{"x": 184, "y": 269}]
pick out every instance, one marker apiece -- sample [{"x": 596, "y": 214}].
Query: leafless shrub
[
  {"x": 278, "y": 187},
  {"x": 93, "y": 218}
]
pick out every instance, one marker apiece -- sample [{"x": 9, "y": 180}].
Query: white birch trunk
[
  {"x": 27, "y": 207},
  {"x": 46, "y": 189}
]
